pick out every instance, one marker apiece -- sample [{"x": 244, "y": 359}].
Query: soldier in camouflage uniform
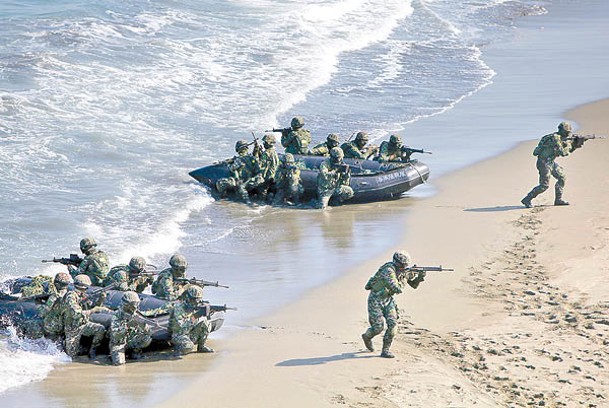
[
  {"x": 323, "y": 149},
  {"x": 387, "y": 282},
  {"x": 51, "y": 311},
  {"x": 38, "y": 285},
  {"x": 242, "y": 167},
  {"x": 288, "y": 183},
  {"x": 390, "y": 150},
  {"x": 171, "y": 282},
  {"x": 127, "y": 332},
  {"x": 333, "y": 179},
  {"x": 268, "y": 161},
  {"x": 76, "y": 319},
  {"x": 549, "y": 148},
  {"x": 357, "y": 149},
  {"x": 95, "y": 263},
  {"x": 189, "y": 329},
  {"x": 130, "y": 277},
  {"x": 296, "y": 140}
]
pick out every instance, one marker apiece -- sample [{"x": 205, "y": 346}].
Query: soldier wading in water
[{"x": 388, "y": 281}]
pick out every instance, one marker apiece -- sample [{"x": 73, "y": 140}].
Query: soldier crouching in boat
[{"x": 333, "y": 179}]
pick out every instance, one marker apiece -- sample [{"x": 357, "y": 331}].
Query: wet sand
[{"x": 523, "y": 320}]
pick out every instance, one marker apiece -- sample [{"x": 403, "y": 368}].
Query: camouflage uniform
[
  {"x": 51, "y": 314},
  {"x": 297, "y": 140},
  {"x": 242, "y": 167},
  {"x": 390, "y": 150},
  {"x": 386, "y": 282},
  {"x": 333, "y": 180},
  {"x": 127, "y": 331},
  {"x": 95, "y": 265},
  {"x": 288, "y": 184},
  {"x": 39, "y": 285},
  {"x": 268, "y": 162},
  {"x": 126, "y": 279},
  {"x": 188, "y": 330},
  {"x": 357, "y": 148},
  {"x": 323, "y": 149},
  {"x": 550, "y": 147},
  {"x": 167, "y": 286},
  {"x": 77, "y": 324}
]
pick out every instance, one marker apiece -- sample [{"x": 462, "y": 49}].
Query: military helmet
[
  {"x": 82, "y": 281},
  {"x": 241, "y": 144},
  {"x": 87, "y": 243},
  {"x": 62, "y": 279},
  {"x": 269, "y": 139},
  {"x": 297, "y": 122},
  {"x": 194, "y": 292},
  {"x": 361, "y": 136},
  {"x": 178, "y": 261},
  {"x": 402, "y": 258},
  {"x": 130, "y": 297},
  {"x": 337, "y": 153},
  {"x": 288, "y": 158},
  {"x": 333, "y": 137},
  {"x": 137, "y": 264},
  {"x": 395, "y": 140},
  {"x": 564, "y": 127}
]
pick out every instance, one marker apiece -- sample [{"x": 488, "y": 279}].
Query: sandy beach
[{"x": 523, "y": 320}]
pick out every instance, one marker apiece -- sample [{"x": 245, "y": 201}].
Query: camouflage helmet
[
  {"x": 395, "y": 140},
  {"x": 137, "y": 264},
  {"x": 564, "y": 127},
  {"x": 297, "y": 122},
  {"x": 130, "y": 297},
  {"x": 87, "y": 243},
  {"x": 82, "y": 281},
  {"x": 269, "y": 139},
  {"x": 240, "y": 145},
  {"x": 402, "y": 258},
  {"x": 361, "y": 136},
  {"x": 333, "y": 139},
  {"x": 178, "y": 261},
  {"x": 288, "y": 158},
  {"x": 194, "y": 292},
  {"x": 62, "y": 279},
  {"x": 337, "y": 153},
  {"x": 121, "y": 276}
]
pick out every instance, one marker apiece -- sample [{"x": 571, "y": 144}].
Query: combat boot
[
  {"x": 527, "y": 202},
  {"x": 386, "y": 344},
  {"x": 367, "y": 342},
  {"x": 387, "y": 354},
  {"x": 205, "y": 349},
  {"x": 560, "y": 201}
]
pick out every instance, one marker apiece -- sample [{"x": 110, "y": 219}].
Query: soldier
[
  {"x": 390, "y": 151},
  {"x": 296, "y": 139},
  {"x": 264, "y": 180},
  {"x": 130, "y": 277},
  {"x": 243, "y": 167},
  {"x": 386, "y": 282},
  {"x": 76, "y": 319},
  {"x": 357, "y": 148},
  {"x": 323, "y": 149},
  {"x": 171, "y": 282},
  {"x": 549, "y": 148},
  {"x": 288, "y": 183},
  {"x": 51, "y": 311},
  {"x": 333, "y": 179},
  {"x": 95, "y": 263},
  {"x": 126, "y": 331},
  {"x": 189, "y": 328}
]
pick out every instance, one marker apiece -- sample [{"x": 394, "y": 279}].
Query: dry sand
[{"x": 523, "y": 321}]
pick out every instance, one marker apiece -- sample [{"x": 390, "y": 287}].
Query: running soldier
[{"x": 387, "y": 282}]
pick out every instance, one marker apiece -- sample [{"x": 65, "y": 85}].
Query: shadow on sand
[{"x": 323, "y": 360}]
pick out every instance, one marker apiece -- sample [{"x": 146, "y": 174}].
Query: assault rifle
[
  {"x": 283, "y": 131},
  {"x": 72, "y": 260},
  {"x": 406, "y": 152},
  {"x": 257, "y": 148},
  {"x": 200, "y": 282},
  {"x": 415, "y": 268},
  {"x": 578, "y": 140},
  {"x": 102, "y": 289},
  {"x": 206, "y": 309}
]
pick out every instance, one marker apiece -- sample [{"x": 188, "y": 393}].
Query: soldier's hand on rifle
[{"x": 578, "y": 142}]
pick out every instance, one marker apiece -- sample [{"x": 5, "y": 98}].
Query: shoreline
[{"x": 511, "y": 294}]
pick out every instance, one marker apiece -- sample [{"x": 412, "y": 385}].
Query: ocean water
[{"x": 106, "y": 105}]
